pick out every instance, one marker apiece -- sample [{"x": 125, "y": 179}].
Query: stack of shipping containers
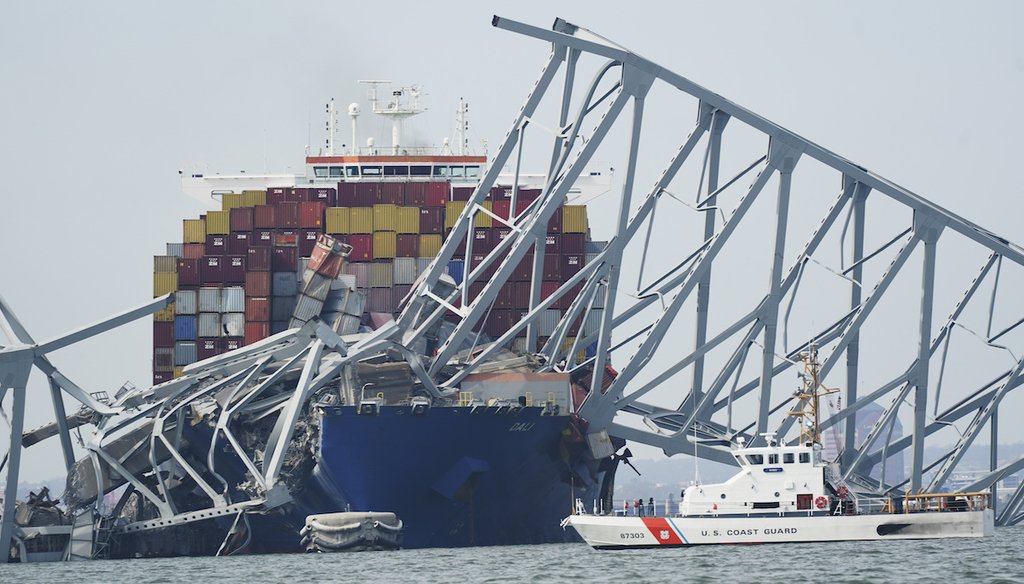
[{"x": 238, "y": 275}]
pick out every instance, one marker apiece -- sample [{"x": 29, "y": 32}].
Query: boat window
[
  {"x": 370, "y": 170},
  {"x": 352, "y": 170},
  {"x": 472, "y": 171},
  {"x": 440, "y": 171},
  {"x": 419, "y": 170},
  {"x": 773, "y": 459},
  {"x": 787, "y": 458},
  {"x": 805, "y": 457},
  {"x": 396, "y": 171},
  {"x": 458, "y": 171},
  {"x": 755, "y": 458},
  {"x": 337, "y": 171},
  {"x": 320, "y": 171}
]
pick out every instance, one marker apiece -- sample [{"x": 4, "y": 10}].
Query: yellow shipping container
[
  {"x": 165, "y": 315},
  {"x": 483, "y": 219},
  {"x": 452, "y": 210},
  {"x": 360, "y": 220},
  {"x": 574, "y": 219},
  {"x": 253, "y": 198},
  {"x": 178, "y": 372},
  {"x": 338, "y": 221},
  {"x": 408, "y": 220},
  {"x": 194, "y": 231},
  {"x": 385, "y": 217},
  {"x": 385, "y": 245},
  {"x": 164, "y": 283},
  {"x": 430, "y": 245},
  {"x": 165, "y": 264},
  {"x": 229, "y": 201},
  {"x": 218, "y": 222}
]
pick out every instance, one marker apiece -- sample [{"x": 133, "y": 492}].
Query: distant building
[{"x": 832, "y": 442}]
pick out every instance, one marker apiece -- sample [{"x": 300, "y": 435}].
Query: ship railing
[
  {"x": 875, "y": 505},
  {"x": 945, "y": 502}
]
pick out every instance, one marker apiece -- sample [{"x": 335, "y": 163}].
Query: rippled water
[{"x": 994, "y": 559}]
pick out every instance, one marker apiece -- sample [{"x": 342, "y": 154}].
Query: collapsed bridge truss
[{"x": 680, "y": 384}]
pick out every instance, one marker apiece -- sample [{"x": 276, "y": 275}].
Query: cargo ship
[{"x": 505, "y": 449}]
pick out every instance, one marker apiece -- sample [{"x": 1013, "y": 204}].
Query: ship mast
[
  {"x": 809, "y": 396},
  {"x": 397, "y": 109}
]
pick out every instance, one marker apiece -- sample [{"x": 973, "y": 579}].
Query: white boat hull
[{"x": 615, "y": 532}]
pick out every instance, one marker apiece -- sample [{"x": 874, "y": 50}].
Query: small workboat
[{"x": 788, "y": 493}]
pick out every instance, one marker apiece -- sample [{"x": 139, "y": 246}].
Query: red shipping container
[
  {"x": 257, "y": 310},
  {"x": 500, "y": 234},
  {"x": 499, "y": 193},
  {"x": 573, "y": 243},
  {"x": 506, "y": 296},
  {"x": 460, "y": 249},
  {"x": 478, "y": 259},
  {"x": 323, "y": 262},
  {"x": 287, "y": 215},
  {"x": 498, "y": 323},
  {"x": 438, "y": 193},
  {"x": 257, "y": 284},
  {"x": 286, "y": 238},
  {"x": 238, "y": 243},
  {"x": 284, "y": 259},
  {"x": 262, "y": 238},
  {"x": 408, "y": 245},
  {"x": 241, "y": 219},
  {"x": 552, "y": 267},
  {"x": 163, "y": 335},
  {"x": 366, "y": 194},
  {"x": 211, "y": 270},
  {"x": 547, "y": 289},
  {"x": 311, "y": 215},
  {"x": 232, "y": 343},
  {"x": 432, "y": 220},
  {"x": 188, "y": 274},
  {"x": 277, "y": 195},
  {"x": 206, "y": 348},
  {"x": 521, "y": 294},
  {"x": 216, "y": 245},
  {"x": 555, "y": 225},
  {"x": 521, "y": 206},
  {"x": 482, "y": 240},
  {"x": 416, "y": 194},
  {"x": 362, "y": 248},
  {"x": 566, "y": 300},
  {"x": 346, "y": 195},
  {"x": 524, "y": 271},
  {"x": 233, "y": 269},
  {"x": 391, "y": 193},
  {"x": 502, "y": 208},
  {"x": 462, "y": 193},
  {"x": 300, "y": 194},
  {"x": 256, "y": 331},
  {"x": 572, "y": 264},
  {"x": 325, "y": 195},
  {"x": 193, "y": 251},
  {"x": 553, "y": 243},
  {"x": 307, "y": 240},
  {"x": 528, "y": 195},
  {"x": 258, "y": 259},
  {"x": 162, "y": 377},
  {"x": 264, "y": 217},
  {"x": 398, "y": 294}
]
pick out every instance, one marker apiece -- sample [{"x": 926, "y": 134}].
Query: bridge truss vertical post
[
  {"x": 853, "y": 349},
  {"x": 929, "y": 232}
]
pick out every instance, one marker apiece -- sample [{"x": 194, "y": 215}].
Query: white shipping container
[
  {"x": 405, "y": 271},
  {"x": 185, "y": 302},
  {"x": 347, "y": 280},
  {"x": 303, "y": 264},
  {"x": 347, "y": 325},
  {"x": 356, "y": 305},
  {"x": 209, "y": 325},
  {"x": 316, "y": 285},
  {"x": 422, "y": 264},
  {"x": 593, "y": 322},
  {"x": 233, "y": 324},
  {"x": 547, "y": 320},
  {"x": 306, "y": 308},
  {"x": 209, "y": 300},
  {"x": 233, "y": 299}
]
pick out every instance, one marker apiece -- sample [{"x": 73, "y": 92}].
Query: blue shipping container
[
  {"x": 457, "y": 269},
  {"x": 185, "y": 327}
]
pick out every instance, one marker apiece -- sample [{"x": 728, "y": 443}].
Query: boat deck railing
[{"x": 945, "y": 502}]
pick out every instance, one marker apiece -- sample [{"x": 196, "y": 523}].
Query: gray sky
[{"x": 104, "y": 102}]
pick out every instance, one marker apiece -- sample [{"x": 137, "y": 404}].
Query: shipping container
[
  {"x": 546, "y": 322},
  {"x": 165, "y": 314},
  {"x": 194, "y": 231},
  {"x": 284, "y": 284},
  {"x": 346, "y": 195},
  {"x": 257, "y": 309},
  {"x": 281, "y": 308},
  {"x": 348, "y": 279},
  {"x": 483, "y": 241},
  {"x": 571, "y": 265},
  {"x": 362, "y": 247},
  {"x": 254, "y": 198},
  {"x": 552, "y": 244},
  {"x": 163, "y": 334},
  {"x": 432, "y": 220},
  {"x": 326, "y": 257},
  {"x": 407, "y": 220},
  {"x": 361, "y": 220},
  {"x": 407, "y": 246},
  {"x": 264, "y": 217},
  {"x": 366, "y": 194},
  {"x": 166, "y": 264},
  {"x": 232, "y": 299},
  {"x": 262, "y": 238},
  {"x": 574, "y": 219},
  {"x": 552, "y": 267},
  {"x": 316, "y": 285},
  {"x": 422, "y": 264},
  {"x": 428, "y": 246},
  {"x": 391, "y": 193},
  {"x": 277, "y": 195},
  {"x": 233, "y": 343},
  {"x": 307, "y": 241},
  {"x": 361, "y": 272},
  {"x": 548, "y": 289},
  {"x": 286, "y": 215},
  {"x": 416, "y": 194},
  {"x": 520, "y": 294},
  {"x": 438, "y": 193},
  {"x": 233, "y": 271},
  {"x": 164, "y": 283},
  {"x": 185, "y": 327},
  {"x": 404, "y": 271},
  {"x": 284, "y": 259},
  {"x": 385, "y": 217},
  {"x": 212, "y": 270},
  {"x": 398, "y": 296},
  {"x": 278, "y": 326},
  {"x": 229, "y": 201},
  {"x": 311, "y": 215},
  {"x": 382, "y": 275},
  {"x": 186, "y": 302},
  {"x": 567, "y": 299},
  {"x": 162, "y": 377},
  {"x": 498, "y": 322},
  {"x": 337, "y": 221},
  {"x": 325, "y": 195},
  {"x": 163, "y": 359},
  {"x": 257, "y": 259},
  {"x": 216, "y": 244},
  {"x": 502, "y": 208},
  {"x": 218, "y": 222},
  {"x": 462, "y": 193},
  {"x": 286, "y": 238},
  {"x": 384, "y": 245},
  {"x": 193, "y": 251},
  {"x": 457, "y": 270},
  {"x": 555, "y": 224},
  {"x": 189, "y": 275},
  {"x": 381, "y": 300},
  {"x": 256, "y": 331},
  {"x": 208, "y": 324},
  {"x": 257, "y": 283},
  {"x": 232, "y": 324},
  {"x": 208, "y": 348},
  {"x": 523, "y": 272},
  {"x": 306, "y": 308},
  {"x": 505, "y": 296},
  {"x": 210, "y": 299},
  {"x": 242, "y": 220},
  {"x": 238, "y": 243},
  {"x": 573, "y": 243},
  {"x": 176, "y": 249}
]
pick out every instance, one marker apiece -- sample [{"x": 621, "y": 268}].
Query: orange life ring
[
  {"x": 821, "y": 502},
  {"x": 842, "y": 492}
]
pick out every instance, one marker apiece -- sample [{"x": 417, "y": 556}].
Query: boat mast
[{"x": 809, "y": 396}]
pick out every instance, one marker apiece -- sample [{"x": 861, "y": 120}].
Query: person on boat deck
[
  {"x": 650, "y": 507},
  {"x": 638, "y": 507}
]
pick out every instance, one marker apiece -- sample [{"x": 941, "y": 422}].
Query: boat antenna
[
  {"x": 809, "y": 396},
  {"x": 696, "y": 459}
]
